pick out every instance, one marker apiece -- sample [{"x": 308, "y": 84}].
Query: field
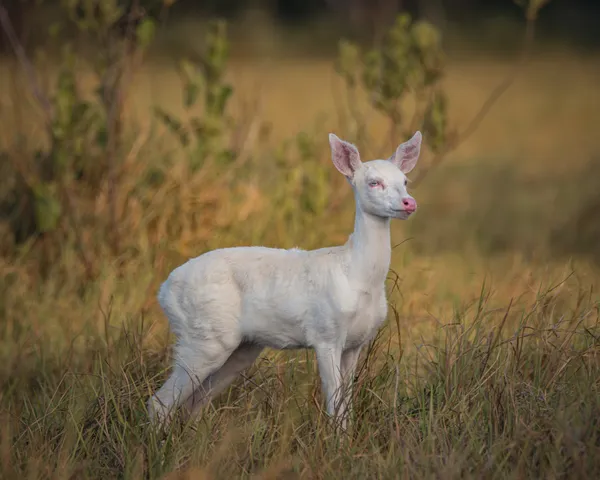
[{"x": 488, "y": 366}]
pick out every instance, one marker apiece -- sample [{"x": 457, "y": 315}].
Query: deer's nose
[{"x": 409, "y": 203}]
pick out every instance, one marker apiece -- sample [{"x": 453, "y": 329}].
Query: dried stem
[
  {"x": 247, "y": 135},
  {"x": 90, "y": 271},
  {"x": 116, "y": 79}
]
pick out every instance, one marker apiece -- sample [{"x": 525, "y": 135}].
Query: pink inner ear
[
  {"x": 407, "y": 154},
  {"x": 346, "y": 151},
  {"x": 410, "y": 150},
  {"x": 345, "y": 156}
]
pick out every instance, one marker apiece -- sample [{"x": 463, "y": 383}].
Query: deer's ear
[
  {"x": 344, "y": 155},
  {"x": 407, "y": 154}
]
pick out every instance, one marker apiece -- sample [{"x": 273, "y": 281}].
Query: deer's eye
[{"x": 375, "y": 183}]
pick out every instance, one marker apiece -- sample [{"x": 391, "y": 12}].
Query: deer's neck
[{"x": 370, "y": 248}]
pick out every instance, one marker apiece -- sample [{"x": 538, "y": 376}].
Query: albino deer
[{"x": 227, "y": 305}]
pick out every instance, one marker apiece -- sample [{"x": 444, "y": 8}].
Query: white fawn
[{"x": 227, "y": 305}]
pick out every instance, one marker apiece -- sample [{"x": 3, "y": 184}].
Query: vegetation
[{"x": 489, "y": 363}]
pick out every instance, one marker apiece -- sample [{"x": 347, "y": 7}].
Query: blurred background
[
  {"x": 135, "y": 131},
  {"x": 137, "y": 134}
]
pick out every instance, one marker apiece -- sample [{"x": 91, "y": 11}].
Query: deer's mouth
[{"x": 402, "y": 214}]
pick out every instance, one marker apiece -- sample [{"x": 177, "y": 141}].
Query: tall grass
[{"x": 503, "y": 391}]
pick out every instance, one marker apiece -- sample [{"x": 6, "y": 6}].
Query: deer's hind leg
[
  {"x": 241, "y": 359},
  {"x": 189, "y": 373},
  {"x": 207, "y": 330}
]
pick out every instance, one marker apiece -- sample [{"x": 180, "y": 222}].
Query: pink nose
[{"x": 409, "y": 204}]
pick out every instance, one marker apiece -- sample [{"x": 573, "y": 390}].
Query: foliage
[
  {"x": 202, "y": 134},
  {"x": 82, "y": 151},
  {"x": 409, "y": 64}
]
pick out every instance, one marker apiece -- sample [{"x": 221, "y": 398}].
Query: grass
[
  {"x": 488, "y": 365},
  {"x": 495, "y": 391}
]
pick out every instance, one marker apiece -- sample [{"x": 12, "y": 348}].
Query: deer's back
[{"x": 285, "y": 298}]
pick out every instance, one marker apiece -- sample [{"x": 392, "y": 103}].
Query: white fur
[{"x": 227, "y": 305}]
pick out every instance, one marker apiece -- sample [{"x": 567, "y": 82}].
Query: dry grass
[{"x": 464, "y": 382}]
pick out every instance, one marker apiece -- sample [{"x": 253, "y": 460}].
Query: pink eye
[{"x": 375, "y": 183}]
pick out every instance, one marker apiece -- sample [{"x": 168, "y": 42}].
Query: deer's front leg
[
  {"x": 348, "y": 367},
  {"x": 329, "y": 360}
]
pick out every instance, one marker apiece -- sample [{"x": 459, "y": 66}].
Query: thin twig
[
  {"x": 115, "y": 85},
  {"x": 487, "y": 105},
  {"x": 252, "y": 130},
  {"x": 24, "y": 61}
]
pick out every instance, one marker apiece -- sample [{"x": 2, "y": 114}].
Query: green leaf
[
  {"x": 47, "y": 207},
  {"x": 190, "y": 94},
  {"x": 188, "y": 70},
  {"x": 221, "y": 99},
  {"x": 435, "y": 121},
  {"x": 145, "y": 32},
  {"x": 348, "y": 62},
  {"x": 174, "y": 125},
  {"x": 102, "y": 136},
  {"x": 55, "y": 29}
]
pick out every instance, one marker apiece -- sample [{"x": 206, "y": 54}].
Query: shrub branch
[{"x": 25, "y": 63}]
